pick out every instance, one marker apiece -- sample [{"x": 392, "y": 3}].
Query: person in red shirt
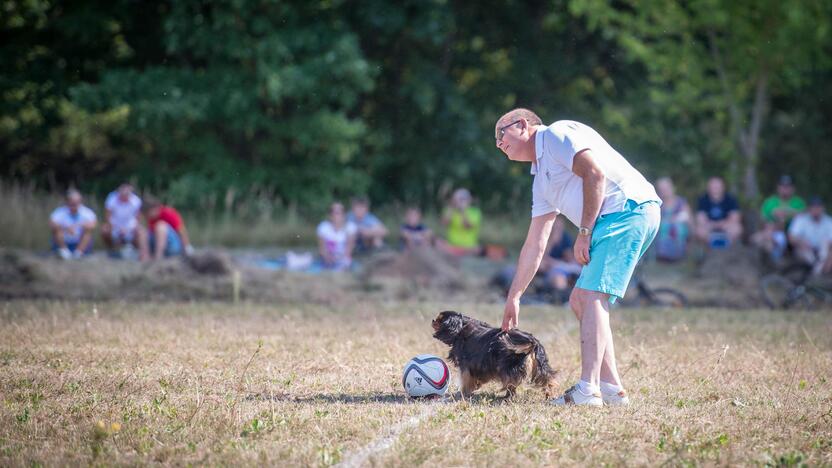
[{"x": 167, "y": 233}]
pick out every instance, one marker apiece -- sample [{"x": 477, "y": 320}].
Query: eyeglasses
[{"x": 502, "y": 130}]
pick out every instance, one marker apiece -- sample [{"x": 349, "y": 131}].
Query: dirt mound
[
  {"x": 25, "y": 275},
  {"x": 739, "y": 266},
  {"x": 212, "y": 275},
  {"x": 727, "y": 278},
  {"x": 425, "y": 267},
  {"x": 210, "y": 262}
]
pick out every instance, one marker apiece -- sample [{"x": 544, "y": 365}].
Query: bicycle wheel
[
  {"x": 777, "y": 291},
  {"x": 667, "y": 298},
  {"x": 815, "y": 298},
  {"x": 797, "y": 273}
]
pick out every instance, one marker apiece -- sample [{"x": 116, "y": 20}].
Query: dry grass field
[{"x": 194, "y": 383}]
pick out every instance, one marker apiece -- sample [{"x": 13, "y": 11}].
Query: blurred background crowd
[{"x": 248, "y": 119}]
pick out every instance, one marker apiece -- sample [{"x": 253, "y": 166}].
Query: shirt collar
[{"x": 538, "y": 148}]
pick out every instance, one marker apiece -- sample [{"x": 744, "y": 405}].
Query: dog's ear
[{"x": 454, "y": 321}]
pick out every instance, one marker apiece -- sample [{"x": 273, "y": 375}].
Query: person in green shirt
[
  {"x": 777, "y": 212},
  {"x": 463, "y": 223},
  {"x": 783, "y": 206}
]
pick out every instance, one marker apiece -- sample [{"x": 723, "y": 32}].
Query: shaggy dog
[{"x": 484, "y": 353}]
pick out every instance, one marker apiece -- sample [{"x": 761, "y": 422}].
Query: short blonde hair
[{"x": 515, "y": 115}]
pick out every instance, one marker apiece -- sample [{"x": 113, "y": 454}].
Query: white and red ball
[{"x": 426, "y": 375}]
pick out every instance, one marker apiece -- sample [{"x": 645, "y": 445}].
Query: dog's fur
[{"x": 484, "y": 353}]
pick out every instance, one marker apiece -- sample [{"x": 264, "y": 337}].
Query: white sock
[
  {"x": 610, "y": 389},
  {"x": 587, "y": 388}
]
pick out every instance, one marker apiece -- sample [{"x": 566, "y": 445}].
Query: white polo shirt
[
  {"x": 557, "y": 189},
  {"x": 123, "y": 214},
  {"x": 817, "y": 233},
  {"x": 72, "y": 225}
]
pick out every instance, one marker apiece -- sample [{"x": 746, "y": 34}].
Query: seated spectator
[
  {"x": 371, "y": 230},
  {"x": 463, "y": 223},
  {"x": 121, "y": 226},
  {"x": 336, "y": 239},
  {"x": 414, "y": 233},
  {"x": 718, "y": 218},
  {"x": 777, "y": 213},
  {"x": 167, "y": 235},
  {"x": 810, "y": 235},
  {"x": 559, "y": 266},
  {"x": 672, "y": 239},
  {"x": 72, "y": 225}
]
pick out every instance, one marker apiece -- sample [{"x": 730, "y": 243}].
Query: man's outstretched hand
[
  {"x": 581, "y": 249},
  {"x": 511, "y": 315}
]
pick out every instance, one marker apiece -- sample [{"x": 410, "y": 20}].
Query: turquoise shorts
[{"x": 618, "y": 242}]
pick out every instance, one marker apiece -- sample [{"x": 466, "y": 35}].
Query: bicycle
[
  {"x": 794, "y": 287},
  {"x": 646, "y": 296}
]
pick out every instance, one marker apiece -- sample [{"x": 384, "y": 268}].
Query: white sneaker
[
  {"x": 574, "y": 396},
  {"x": 615, "y": 399},
  {"x": 64, "y": 253}
]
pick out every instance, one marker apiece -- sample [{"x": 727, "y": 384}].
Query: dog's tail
[
  {"x": 519, "y": 342},
  {"x": 541, "y": 373}
]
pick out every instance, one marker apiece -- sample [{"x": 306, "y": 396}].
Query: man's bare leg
[
  {"x": 58, "y": 235},
  {"x": 609, "y": 370},
  {"x": 734, "y": 231},
  {"x": 595, "y": 329},
  {"x": 140, "y": 241},
  {"x": 84, "y": 243},
  {"x": 107, "y": 236},
  {"x": 160, "y": 233},
  {"x": 575, "y": 303}
]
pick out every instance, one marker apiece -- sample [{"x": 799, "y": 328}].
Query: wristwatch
[{"x": 584, "y": 231}]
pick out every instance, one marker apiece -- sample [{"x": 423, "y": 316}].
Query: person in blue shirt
[
  {"x": 718, "y": 218},
  {"x": 371, "y": 231},
  {"x": 414, "y": 232}
]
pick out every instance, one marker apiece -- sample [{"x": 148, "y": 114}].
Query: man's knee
[
  {"x": 161, "y": 229},
  {"x": 576, "y": 304},
  {"x": 586, "y": 300},
  {"x": 735, "y": 231}
]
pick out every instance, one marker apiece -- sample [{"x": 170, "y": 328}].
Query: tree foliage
[
  {"x": 305, "y": 101},
  {"x": 718, "y": 63}
]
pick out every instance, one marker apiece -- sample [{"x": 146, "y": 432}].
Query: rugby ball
[{"x": 425, "y": 376}]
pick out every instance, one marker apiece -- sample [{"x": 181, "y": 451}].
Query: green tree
[
  {"x": 247, "y": 94},
  {"x": 448, "y": 70},
  {"x": 719, "y": 61},
  {"x": 45, "y": 49}
]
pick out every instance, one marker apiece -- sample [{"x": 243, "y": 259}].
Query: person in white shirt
[
  {"x": 617, "y": 211},
  {"x": 336, "y": 239},
  {"x": 810, "y": 234},
  {"x": 72, "y": 225},
  {"x": 122, "y": 225}
]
